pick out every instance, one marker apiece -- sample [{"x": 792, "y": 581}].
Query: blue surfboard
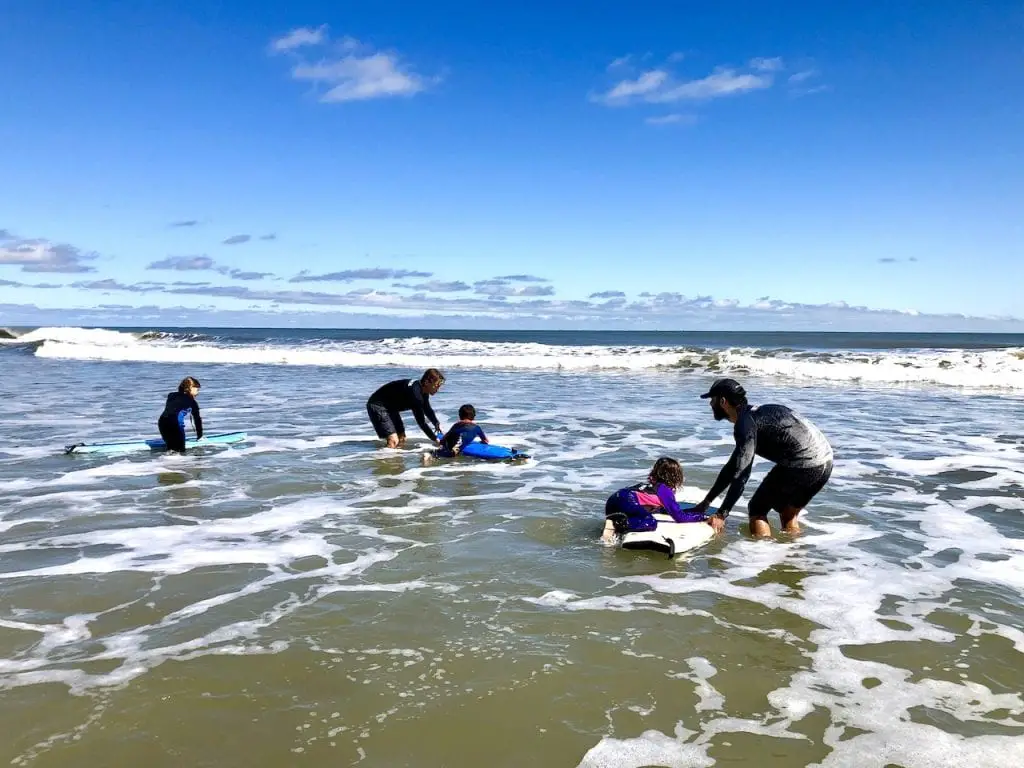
[
  {"x": 492, "y": 452},
  {"x": 154, "y": 445}
]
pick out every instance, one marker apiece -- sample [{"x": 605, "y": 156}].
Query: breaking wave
[{"x": 971, "y": 368}]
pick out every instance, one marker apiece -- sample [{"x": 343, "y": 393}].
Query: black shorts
[
  {"x": 385, "y": 422},
  {"x": 788, "y": 487}
]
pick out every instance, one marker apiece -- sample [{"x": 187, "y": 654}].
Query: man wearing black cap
[{"x": 802, "y": 456}]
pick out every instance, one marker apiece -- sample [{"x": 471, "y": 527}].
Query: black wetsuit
[
  {"x": 802, "y": 456},
  {"x": 172, "y": 421},
  {"x": 386, "y": 404}
]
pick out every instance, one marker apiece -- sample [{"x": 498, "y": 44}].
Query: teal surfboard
[{"x": 154, "y": 445}]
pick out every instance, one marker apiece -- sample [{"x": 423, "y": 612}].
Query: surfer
[
  {"x": 179, "y": 405},
  {"x": 386, "y": 404},
  {"x": 801, "y": 453},
  {"x": 633, "y": 508}
]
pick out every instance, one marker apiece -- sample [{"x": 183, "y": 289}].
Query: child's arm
[
  {"x": 450, "y": 441},
  {"x": 197, "y": 419},
  {"x": 481, "y": 435},
  {"x": 668, "y": 501}
]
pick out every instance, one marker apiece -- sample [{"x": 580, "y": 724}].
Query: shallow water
[{"x": 309, "y": 598}]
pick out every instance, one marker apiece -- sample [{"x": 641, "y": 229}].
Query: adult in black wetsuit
[
  {"x": 802, "y": 456},
  {"x": 179, "y": 405},
  {"x": 386, "y": 404}
]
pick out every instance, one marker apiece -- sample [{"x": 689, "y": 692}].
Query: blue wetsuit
[
  {"x": 172, "y": 421},
  {"x": 461, "y": 434}
]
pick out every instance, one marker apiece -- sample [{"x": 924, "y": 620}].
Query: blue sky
[{"x": 677, "y": 165}]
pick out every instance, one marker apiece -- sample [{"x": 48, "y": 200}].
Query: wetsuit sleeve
[
  {"x": 480, "y": 434},
  {"x": 736, "y": 471},
  {"x": 429, "y": 411},
  {"x": 667, "y": 497},
  {"x": 196, "y": 418},
  {"x": 421, "y": 410},
  {"x": 451, "y": 438},
  {"x": 668, "y": 501}
]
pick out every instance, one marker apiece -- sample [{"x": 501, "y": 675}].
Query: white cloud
[
  {"x": 659, "y": 86},
  {"x": 183, "y": 263},
  {"x": 298, "y": 38},
  {"x": 806, "y": 74},
  {"x": 672, "y": 119},
  {"x": 648, "y": 82},
  {"x": 39, "y": 255},
  {"x": 354, "y": 71},
  {"x": 721, "y": 82},
  {"x": 665, "y": 309},
  {"x": 357, "y": 78},
  {"x": 621, "y": 62}
]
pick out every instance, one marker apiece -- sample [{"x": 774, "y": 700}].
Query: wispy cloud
[
  {"x": 109, "y": 284},
  {"x": 299, "y": 37},
  {"x": 237, "y": 240},
  {"x": 16, "y": 284},
  {"x": 348, "y": 275},
  {"x": 801, "y": 76},
  {"x": 608, "y": 295},
  {"x": 203, "y": 263},
  {"x": 773, "y": 64},
  {"x": 353, "y": 71},
  {"x": 502, "y": 287},
  {"x": 806, "y": 82},
  {"x": 672, "y": 119},
  {"x": 239, "y": 274},
  {"x": 185, "y": 223},
  {"x": 522, "y": 279},
  {"x": 39, "y": 255},
  {"x": 894, "y": 260},
  {"x": 620, "y": 62},
  {"x": 664, "y": 309},
  {"x": 661, "y": 86},
  {"x": 183, "y": 263},
  {"x": 436, "y": 286},
  {"x": 269, "y": 236}
]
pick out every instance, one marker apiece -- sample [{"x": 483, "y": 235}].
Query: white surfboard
[{"x": 670, "y": 537}]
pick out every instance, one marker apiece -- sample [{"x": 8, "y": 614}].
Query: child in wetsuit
[
  {"x": 633, "y": 508},
  {"x": 462, "y": 433},
  {"x": 179, "y": 405}
]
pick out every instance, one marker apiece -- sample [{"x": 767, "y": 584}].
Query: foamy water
[
  {"x": 309, "y": 596},
  {"x": 1001, "y": 368}
]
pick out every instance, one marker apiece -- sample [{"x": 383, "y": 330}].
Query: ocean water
[{"x": 310, "y": 598}]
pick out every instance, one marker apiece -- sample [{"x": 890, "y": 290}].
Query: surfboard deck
[
  {"x": 154, "y": 445},
  {"x": 492, "y": 452},
  {"x": 670, "y": 537}
]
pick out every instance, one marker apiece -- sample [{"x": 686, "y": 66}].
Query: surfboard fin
[{"x": 671, "y": 547}]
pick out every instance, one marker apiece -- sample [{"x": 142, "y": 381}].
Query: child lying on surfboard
[
  {"x": 633, "y": 508},
  {"x": 462, "y": 433}
]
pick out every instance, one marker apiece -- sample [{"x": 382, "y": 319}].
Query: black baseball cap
[{"x": 725, "y": 388}]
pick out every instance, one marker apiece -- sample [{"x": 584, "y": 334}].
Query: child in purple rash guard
[{"x": 633, "y": 508}]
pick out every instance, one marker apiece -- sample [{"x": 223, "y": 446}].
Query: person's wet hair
[
  {"x": 668, "y": 472},
  {"x": 432, "y": 377},
  {"x": 187, "y": 383},
  {"x": 467, "y": 412}
]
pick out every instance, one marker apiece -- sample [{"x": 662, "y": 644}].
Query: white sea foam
[{"x": 992, "y": 368}]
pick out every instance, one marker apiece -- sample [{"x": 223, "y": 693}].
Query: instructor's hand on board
[{"x": 717, "y": 523}]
